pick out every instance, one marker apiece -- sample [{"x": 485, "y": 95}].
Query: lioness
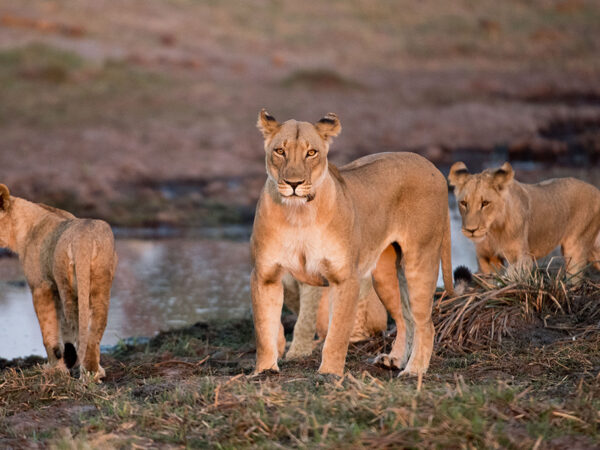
[
  {"x": 519, "y": 222},
  {"x": 330, "y": 227},
  {"x": 311, "y": 305},
  {"x": 69, "y": 264}
]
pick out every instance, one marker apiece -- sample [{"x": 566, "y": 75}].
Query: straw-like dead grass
[{"x": 502, "y": 304}]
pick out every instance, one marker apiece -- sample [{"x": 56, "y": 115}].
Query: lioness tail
[{"x": 447, "y": 259}]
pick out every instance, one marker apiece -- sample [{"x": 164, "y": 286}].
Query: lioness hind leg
[
  {"x": 385, "y": 282},
  {"x": 46, "y": 310},
  {"x": 421, "y": 270}
]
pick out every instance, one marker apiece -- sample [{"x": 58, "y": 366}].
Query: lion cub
[
  {"x": 69, "y": 264},
  {"x": 519, "y": 222}
]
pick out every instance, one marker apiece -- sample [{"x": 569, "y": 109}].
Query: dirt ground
[{"x": 144, "y": 114}]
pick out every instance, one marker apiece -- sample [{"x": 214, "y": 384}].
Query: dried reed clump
[{"x": 503, "y": 303}]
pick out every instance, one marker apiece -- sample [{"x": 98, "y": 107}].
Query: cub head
[
  {"x": 296, "y": 154},
  {"x": 5, "y": 203},
  {"x": 481, "y": 197}
]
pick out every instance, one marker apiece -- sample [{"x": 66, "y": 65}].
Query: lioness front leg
[
  {"x": 343, "y": 303},
  {"x": 385, "y": 282},
  {"x": 304, "y": 331},
  {"x": 267, "y": 301}
]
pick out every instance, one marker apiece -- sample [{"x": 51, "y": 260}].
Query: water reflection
[{"x": 161, "y": 284}]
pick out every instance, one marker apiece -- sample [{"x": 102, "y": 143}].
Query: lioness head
[
  {"x": 481, "y": 197},
  {"x": 296, "y": 154},
  {"x": 5, "y": 202}
]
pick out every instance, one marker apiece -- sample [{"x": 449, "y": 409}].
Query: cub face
[
  {"x": 481, "y": 197},
  {"x": 296, "y": 154}
]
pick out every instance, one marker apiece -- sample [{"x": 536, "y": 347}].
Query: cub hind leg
[
  {"x": 577, "y": 254},
  {"x": 99, "y": 303},
  {"x": 46, "y": 303}
]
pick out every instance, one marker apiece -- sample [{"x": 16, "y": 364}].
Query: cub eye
[
  {"x": 463, "y": 204},
  {"x": 311, "y": 152},
  {"x": 279, "y": 151},
  {"x": 484, "y": 203}
]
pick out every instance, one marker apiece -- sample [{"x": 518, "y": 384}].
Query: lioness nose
[
  {"x": 294, "y": 184},
  {"x": 470, "y": 230}
]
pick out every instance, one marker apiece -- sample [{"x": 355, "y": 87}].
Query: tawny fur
[
  {"x": 330, "y": 227},
  {"x": 311, "y": 305},
  {"x": 518, "y": 223},
  {"x": 69, "y": 264}
]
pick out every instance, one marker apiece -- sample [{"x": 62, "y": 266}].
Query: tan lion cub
[
  {"x": 69, "y": 264},
  {"x": 519, "y": 222},
  {"x": 330, "y": 227}
]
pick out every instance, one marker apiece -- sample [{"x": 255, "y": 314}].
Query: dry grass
[
  {"x": 191, "y": 387},
  {"x": 501, "y": 305}
]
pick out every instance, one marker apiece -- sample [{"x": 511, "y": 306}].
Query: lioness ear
[
  {"x": 503, "y": 176},
  {"x": 329, "y": 126},
  {"x": 267, "y": 124},
  {"x": 458, "y": 174},
  {"x": 4, "y": 198}
]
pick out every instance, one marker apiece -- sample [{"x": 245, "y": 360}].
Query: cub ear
[
  {"x": 267, "y": 124},
  {"x": 458, "y": 174},
  {"x": 4, "y": 198},
  {"x": 503, "y": 176},
  {"x": 329, "y": 126}
]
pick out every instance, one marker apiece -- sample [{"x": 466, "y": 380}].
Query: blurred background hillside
[{"x": 143, "y": 112}]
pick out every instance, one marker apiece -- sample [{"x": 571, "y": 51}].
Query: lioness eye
[
  {"x": 311, "y": 152},
  {"x": 463, "y": 203},
  {"x": 484, "y": 203},
  {"x": 279, "y": 151}
]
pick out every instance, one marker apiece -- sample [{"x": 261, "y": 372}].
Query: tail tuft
[
  {"x": 462, "y": 275},
  {"x": 462, "y": 279},
  {"x": 70, "y": 355}
]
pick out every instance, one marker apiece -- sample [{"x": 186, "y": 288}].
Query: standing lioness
[
  {"x": 69, "y": 264},
  {"x": 519, "y": 222},
  {"x": 329, "y": 227}
]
